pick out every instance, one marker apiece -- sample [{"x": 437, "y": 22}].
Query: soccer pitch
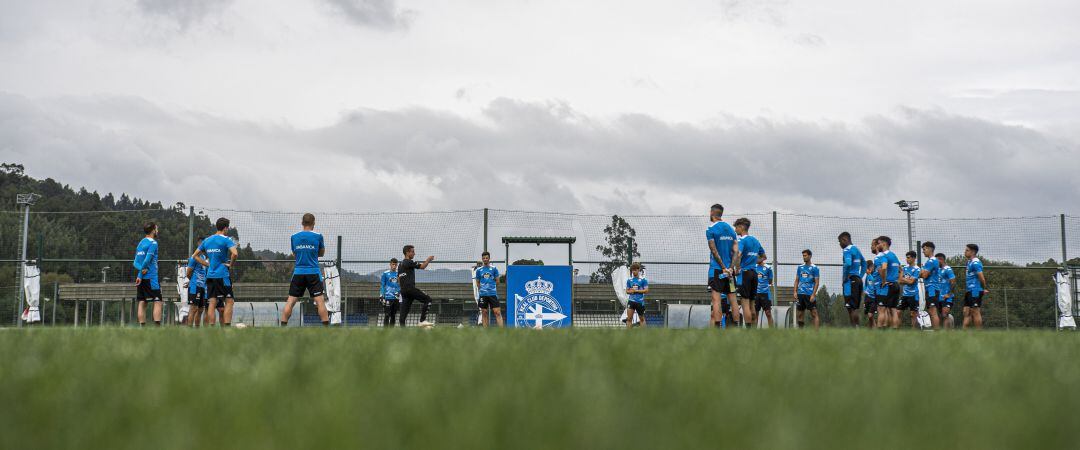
[{"x": 473, "y": 388}]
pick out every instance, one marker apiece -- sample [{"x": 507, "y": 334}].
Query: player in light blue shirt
[
  {"x": 723, "y": 261},
  {"x": 807, "y": 280},
  {"x": 909, "y": 279},
  {"x": 946, "y": 289},
  {"x": 307, "y": 247},
  {"x": 932, "y": 275},
  {"x": 390, "y": 294},
  {"x": 889, "y": 268},
  {"x": 873, "y": 282},
  {"x": 218, "y": 253},
  {"x": 746, "y": 279},
  {"x": 487, "y": 282},
  {"x": 977, "y": 289},
  {"x": 762, "y": 298},
  {"x": 637, "y": 286},
  {"x": 146, "y": 274},
  {"x": 851, "y": 277},
  {"x": 196, "y": 275}
]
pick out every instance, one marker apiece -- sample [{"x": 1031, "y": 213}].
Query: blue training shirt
[
  {"x": 216, "y": 248},
  {"x": 198, "y": 276},
  {"x": 854, "y": 263},
  {"x": 723, "y": 235},
  {"x": 749, "y": 249},
  {"x": 974, "y": 268},
  {"x": 892, "y": 271},
  {"x": 306, "y": 246},
  {"x": 808, "y": 275},
  {"x": 764, "y": 279},
  {"x": 946, "y": 277},
  {"x": 146, "y": 257},
  {"x": 488, "y": 276},
  {"x": 933, "y": 279},
  {"x": 637, "y": 283},
  {"x": 873, "y": 282},
  {"x": 912, "y": 290},
  {"x": 388, "y": 285}
]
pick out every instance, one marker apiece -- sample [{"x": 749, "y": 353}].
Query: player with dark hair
[
  {"x": 487, "y": 283},
  {"x": 888, "y": 266},
  {"x": 807, "y": 280},
  {"x": 307, "y": 247},
  {"x": 931, "y": 273},
  {"x": 390, "y": 294},
  {"x": 409, "y": 292},
  {"x": 977, "y": 289},
  {"x": 196, "y": 274},
  {"x": 723, "y": 252},
  {"x": 852, "y": 273},
  {"x": 749, "y": 249},
  {"x": 218, "y": 253},
  {"x": 909, "y": 300},
  {"x": 146, "y": 274},
  {"x": 637, "y": 286},
  {"x": 762, "y": 299},
  {"x": 946, "y": 287}
]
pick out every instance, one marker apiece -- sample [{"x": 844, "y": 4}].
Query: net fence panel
[{"x": 1072, "y": 238}]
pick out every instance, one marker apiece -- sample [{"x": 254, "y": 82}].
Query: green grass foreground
[{"x": 526, "y": 389}]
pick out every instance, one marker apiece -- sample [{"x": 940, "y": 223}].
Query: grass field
[{"x": 503, "y": 389}]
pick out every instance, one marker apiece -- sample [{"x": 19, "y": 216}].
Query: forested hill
[{"x": 77, "y": 224}]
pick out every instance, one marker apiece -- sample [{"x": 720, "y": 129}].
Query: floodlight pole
[{"x": 26, "y": 200}]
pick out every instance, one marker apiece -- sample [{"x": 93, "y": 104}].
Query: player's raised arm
[{"x": 423, "y": 265}]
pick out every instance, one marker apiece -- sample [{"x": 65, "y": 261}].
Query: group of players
[{"x": 737, "y": 270}]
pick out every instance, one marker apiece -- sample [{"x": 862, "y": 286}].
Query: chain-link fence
[{"x": 87, "y": 249}]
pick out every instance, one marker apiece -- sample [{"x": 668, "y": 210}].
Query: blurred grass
[{"x": 469, "y": 388}]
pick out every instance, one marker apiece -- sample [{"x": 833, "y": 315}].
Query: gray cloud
[
  {"x": 184, "y": 13},
  {"x": 544, "y": 156},
  {"x": 380, "y": 14}
]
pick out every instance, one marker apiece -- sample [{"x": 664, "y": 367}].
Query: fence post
[
  {"x": 1006, "y": 291},
  {"x": 629, "y": 251},
  {"x": 341, "y": 287},
  {"x": 56, "y": 299},
  {"x": 775, "y": 262},
  {"x": 191, "y": 231},
  {"x": 1064, "y": 252},
  {"x": 485, "y": 229}
]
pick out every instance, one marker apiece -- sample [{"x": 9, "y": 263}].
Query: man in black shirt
[{"x": 409, "y": 292}]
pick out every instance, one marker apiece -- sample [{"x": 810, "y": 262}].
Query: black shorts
[
  {"x": 721, "y": 285},
  {"x": 871, "y": 305},
  {"x": 312, "y": 284},
  {"x": 892, "y": 298},
  {"x": 908, "y": 303},
  {"x": 762, "y": 302},
  {"x": 146, "y": 293},
  {"x": 748, "y": 287},
  {"x": 488, "y": 301},
  {"x": 637, "y": 307},
  {"x": 216, "y": 289},
  {"x": 932, "y": 299},
  {"x": 412, "y": 294},
  {"x": 197, "y": 298},
  {"x": 851, "y": 302},
  {"x": 804, "y": 303},
  {"x": 973, "y": 301}
]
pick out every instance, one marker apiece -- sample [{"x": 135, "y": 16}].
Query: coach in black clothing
[{"x": 407, "y": 280}]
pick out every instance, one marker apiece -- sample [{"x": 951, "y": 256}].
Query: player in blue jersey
[
  {"x": 946, "y": 288},
  {"x": 637, "y": 286},
  {"x": 218, "y": 253},
  {"x": 909, "y": 299},
  {"x": 196, "y": 275},
  {"x": 390, "y": 294},
  {"x": 977, "y": 289},
  {"x": 852, "y": 275},
  {"x": 888, "y": 266},
  {"x": 931, "y": 274},
  {"x": 749, "y": 249},
  {"x": 870, "y": 306},
  {"x": 307, "y": 247},
  {"x": 146, "y": 274},
  {"x": 723, "y": 262},
  {"x": 807, "y": 280},
  {"x": 487, "y": 282},
  {"x": 762, "y": 299}
]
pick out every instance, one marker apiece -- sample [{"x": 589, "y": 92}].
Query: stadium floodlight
[
  {"x": 104, "y": 270},
  {"x": 909, "y": 206},
  {"x": 26, "y": 200}
]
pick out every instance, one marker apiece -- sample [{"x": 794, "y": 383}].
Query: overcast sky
[{"x": 822, "y": 107}]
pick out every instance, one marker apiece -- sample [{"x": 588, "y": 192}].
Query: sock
[
  {"x": 225, "y": 324},
  {"x": 142, "y": 324},
  {"x": 326, "y": 323},
  {"x": 284, "y": 324},
  {"x": 157, "y": 323}
]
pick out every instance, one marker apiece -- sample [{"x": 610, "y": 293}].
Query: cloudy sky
[{"x": 823, "y": 107}]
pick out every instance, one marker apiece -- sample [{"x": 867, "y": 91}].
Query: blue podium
[{"x": 540, "y": 296}]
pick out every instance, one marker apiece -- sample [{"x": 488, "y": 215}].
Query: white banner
[
  {"x": 32, "y": 288},
  {"x": 1064, "y": 301},
  {"x": 332, "y": 283}
]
